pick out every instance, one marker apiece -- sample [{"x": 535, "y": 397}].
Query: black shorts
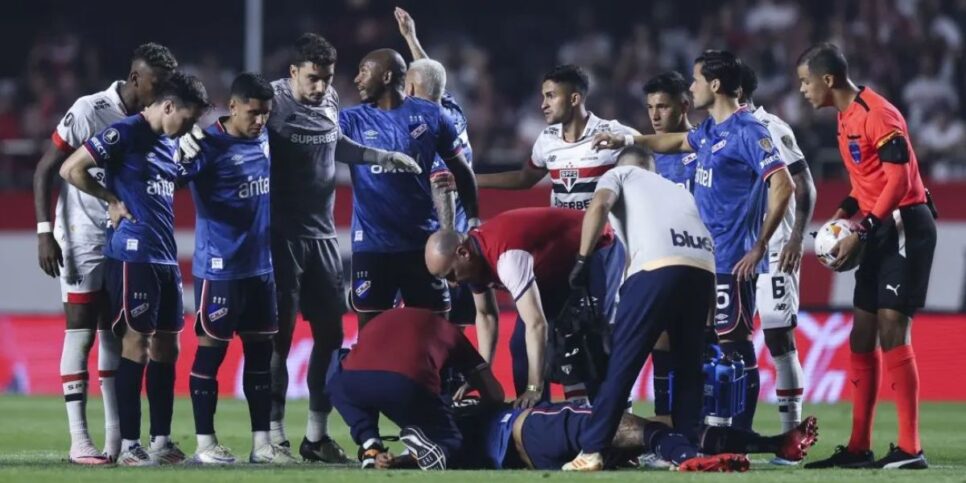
[
  {"x": 146, "y": 297},
  {"x": 894, "y": 273},
  {"x": 463, "y": 310},
  {"x": 243, "y": 306},
  {"x": 378, "y": 277},
  {"x": 735, "y": 305},
  {"x": 308, "y": 277}
]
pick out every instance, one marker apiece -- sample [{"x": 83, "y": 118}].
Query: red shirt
[
  {"x": 880, "y": 187},
  {"x": 415, "y": 343},
  {"x": 532, "y": 244}
]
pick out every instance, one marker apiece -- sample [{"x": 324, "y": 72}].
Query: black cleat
[
  {"x": 897, "y": 459},
  {"x": 843, "y": 458},
  {"x": 429, "y": 455},
  {"x": 323, "y": 451}
]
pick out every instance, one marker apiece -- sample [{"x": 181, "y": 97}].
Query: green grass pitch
[{"x": 34, "y": 442}]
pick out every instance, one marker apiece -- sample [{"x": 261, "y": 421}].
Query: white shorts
[
  {"x": 777, "y": 296},
  {"x": 82, "y": 275}
]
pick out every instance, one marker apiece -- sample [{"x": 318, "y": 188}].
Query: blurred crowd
[{"x": 497, "y": 51}]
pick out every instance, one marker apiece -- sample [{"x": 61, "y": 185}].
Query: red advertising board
[{"x": 30, "y": 357}]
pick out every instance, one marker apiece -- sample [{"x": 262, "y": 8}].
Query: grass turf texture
[{"x": 34, "y": 443}]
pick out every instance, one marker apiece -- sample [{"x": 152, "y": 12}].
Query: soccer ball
[{"x": 827, "y": 237}]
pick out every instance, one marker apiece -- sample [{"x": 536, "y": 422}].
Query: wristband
[
  {"x": 850, "y": 206},
  {"x": 43, "y": 227},
  {"x": 534, "y": 388},
  {"x": 628, "y": 140},
  {"x": 867, "y": 226}
]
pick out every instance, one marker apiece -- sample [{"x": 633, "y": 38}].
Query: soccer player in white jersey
[
  {"x": 565, "y": 148},
  {"x": 71, "y": 250},
  {"x": 778, "y": 290}
]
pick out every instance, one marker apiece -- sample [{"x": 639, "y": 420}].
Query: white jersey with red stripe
[
  {"x": 784, "y": 139},
  {"x": 81, "y": 217},
  {"x": 575, "y": 167}
]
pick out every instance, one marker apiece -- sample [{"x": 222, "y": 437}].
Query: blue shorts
[
  {"x": 145, "y": 296},
  {"x": 735, "y": 305},
  {"x": 243, "y": 306},
  {"x": 378, "y": 277},
  {"x": 463, "y": 310},
  {"x": 551, "y": 434}
]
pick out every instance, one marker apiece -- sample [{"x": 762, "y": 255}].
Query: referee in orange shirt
[{"x": 898, "y": 234}]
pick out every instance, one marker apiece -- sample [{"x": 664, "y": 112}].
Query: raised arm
[
  {"x": 350, "y": 152},
  {"x": 407, "y": 27},
  {"x": 524, "y": 178},
  {"x": 673, "y": 142}
]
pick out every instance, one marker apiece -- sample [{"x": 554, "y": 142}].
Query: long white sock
[
  {"x": 206, "y": 441},
  {"x": 108, "y": 357},
  {"x": 126, "y": 444},
  {"x": 575, "y": 393},
  {"x": 317, "y": 426},
  {"x": 159, "y": 441},
  {"x": 789, "y": 389},
  {"x": 73, "y": 377},
  {"x": 259, "y": 439},
  {"x": 277, "y": 431}
]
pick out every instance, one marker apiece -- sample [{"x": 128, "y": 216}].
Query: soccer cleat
[
  {"x": 719, "y": 463},
  {"x": 169, "y": 454},
  {"x": 585, "y": 462},
  {"x": 897, "y": 459},
  {"x": 324, "y": 451},
  {"x": 779, "y": 461},
  {"x": 214, "y": 455},
  {"x": 273, "y": 454},
  {"x": 797, "y": 442},
  {"x": 843, "y": 458},
  {"x": 429, "y": 455},
  {"x": 136, "y": 456},
  {"x": 86, "y": 454},
  {"x": 654, "y": 462},
  {"x": 368, "y": 456}
]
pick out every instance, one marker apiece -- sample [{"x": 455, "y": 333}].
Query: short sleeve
[
  {"x": 623, "y": 130},
  {"x": 448, "y": 142},
  {"x": 515, "y": 271},
  {"x": 613, "y": 180},
  {"x": 537, "y": 157},
  {"x": 345, "y": 124},
  {"x": 784, "y": 139},
  {"x": 695, "y": 135},
  {"x": 75, "y": 127},
  {"x": 759, "y": 151},
  {"x": 108, "y": 146},
  {"x": 882, "y": 125}
]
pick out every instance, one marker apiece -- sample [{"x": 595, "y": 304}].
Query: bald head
[
  {"x": 388, "y": 60},
  {"x": 441, "y": 252},
  {"x": 636, "y": 156}
]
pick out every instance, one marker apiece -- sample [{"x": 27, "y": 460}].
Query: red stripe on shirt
[{"x": 60, "y": 144}]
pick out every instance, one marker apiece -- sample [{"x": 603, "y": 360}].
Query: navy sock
[
  {"x": 717, "y": 439},
  {"x": 668, "y": 444},
  {"x": 127, "y": 384},
  {"x": 753, "y": 383},
  {"x": 204, "y": 387},
  {"x": 662, "y": 385},
  {"x": 160, "y": 386},
  {"x": 257, "y": 383}
]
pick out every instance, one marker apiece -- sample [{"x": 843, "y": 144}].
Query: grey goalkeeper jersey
[{"x": 303, "y": 139}]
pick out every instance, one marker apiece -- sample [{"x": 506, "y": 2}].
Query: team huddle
[{"x": 664, "y": 246}]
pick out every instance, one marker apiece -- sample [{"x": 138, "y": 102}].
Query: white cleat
[
  {"x": 214, "y": 455},
  {"x": 779, "y": 461},
  {"x": 169, "y": 454},
  {"x": 86, "y": 454},
  {"x": 654, "y": 462},
  {"x": 272, "y": 454},
  {"x": 135, "y": 456}
]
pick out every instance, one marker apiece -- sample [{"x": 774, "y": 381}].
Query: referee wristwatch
[
  {"x": 868, "y": 226},
  {"x": 534, "y": 388}
]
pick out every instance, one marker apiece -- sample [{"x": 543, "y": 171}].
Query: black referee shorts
[{"x": 894, "y": 273}]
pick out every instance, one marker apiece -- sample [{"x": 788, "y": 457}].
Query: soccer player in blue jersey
[
  {"x": 739, "y": 173},
  {"x": 144, "y": 282},
  {"x": 234, "y": 283},
  {"x": 393, "y": 213}
]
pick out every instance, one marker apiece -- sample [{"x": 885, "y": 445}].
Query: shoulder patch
[
  {"x": 68, "y": 119},
  {"x": 766, "y": 145},
  {"x": 112, "y": 136},
  {"x": 788, "y": 141}
]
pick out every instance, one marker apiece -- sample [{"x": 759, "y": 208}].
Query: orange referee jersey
[{"x": 880, "y": 187}]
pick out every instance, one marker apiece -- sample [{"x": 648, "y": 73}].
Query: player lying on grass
[
  {"x": 546, "y": 436},
  {"x": 394, "y": 370}
]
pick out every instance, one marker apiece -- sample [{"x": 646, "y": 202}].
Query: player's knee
[
  {"x": 81, "y": 316},
  {"x": 258, "y": 354},
  {"x": 134, "y": 346},
  {"x": 865, "y": 332},
  {"x": 780, "y": 341},
  {"x": 327, "y": 331},
  {"x": 208, "y": 359},
  {"x": 164, "y": 347},
  {"x": 893, "y": 329}
]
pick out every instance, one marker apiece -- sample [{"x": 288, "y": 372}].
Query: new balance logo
[
  {"x": 685, "y": 239},
  {"x": 895, "y": 289}
]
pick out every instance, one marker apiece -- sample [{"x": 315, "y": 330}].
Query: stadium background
[{"x": 495, "y": 53}]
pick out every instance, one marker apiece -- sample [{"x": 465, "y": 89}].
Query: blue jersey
[
  {"x": 455, "y": 112},
  {"x": 677, "y": 167},
  {"x": 140, "y": 169},
  {"x": 393, "y": 211},
  {"x": 486, "y": 438},
  {"x": 230, "y": 186},
  {"x": 734, "y": 159}
]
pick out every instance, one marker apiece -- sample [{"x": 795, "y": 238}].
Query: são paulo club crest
[{"x": 569, "y": 177}]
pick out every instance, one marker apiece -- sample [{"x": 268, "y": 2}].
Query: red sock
[
  {"x": 901, "y": 363},
  {"x": 864, "y": 376}
]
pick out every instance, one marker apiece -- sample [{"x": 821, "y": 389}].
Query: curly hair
[
  {"x": 315, "y": 49},
  {"x": 156, "y": 56}
]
